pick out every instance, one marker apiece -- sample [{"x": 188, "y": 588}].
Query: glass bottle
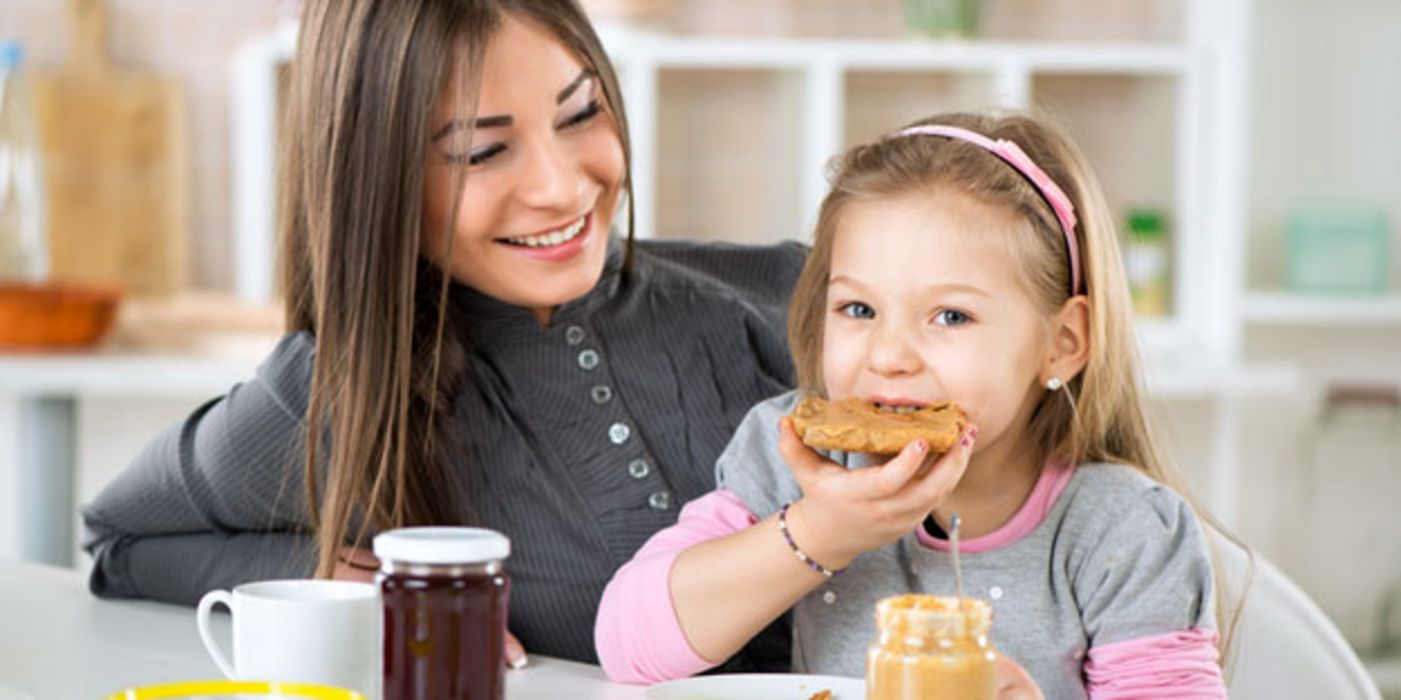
[
  {"x": 931, "y": 648},
  {"x": 942, "y": 19},
  {"x": 23, "y": 242},
  {"x": 445, "y": 593},
  {"x": 1146, "y": 263}
]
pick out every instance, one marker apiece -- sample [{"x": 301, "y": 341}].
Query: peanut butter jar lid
[{"x": 442, "y": 545}]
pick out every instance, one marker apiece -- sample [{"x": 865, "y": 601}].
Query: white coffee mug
[{"x": 303, "y": 630}]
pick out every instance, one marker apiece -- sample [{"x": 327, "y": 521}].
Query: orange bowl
[{"x": 55, "y": 316}]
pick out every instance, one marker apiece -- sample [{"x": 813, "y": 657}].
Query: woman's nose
[
  {"x": 893, "y": 352},
  {"x": 551, "y": 179}
]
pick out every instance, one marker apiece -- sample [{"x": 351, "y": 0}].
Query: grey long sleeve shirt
[{"x": 581, "y": 439}]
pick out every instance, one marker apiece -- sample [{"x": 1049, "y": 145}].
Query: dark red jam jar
[{"x": 445, "y": 595}]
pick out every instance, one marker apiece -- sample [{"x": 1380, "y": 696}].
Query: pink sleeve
[
  {"x": 1174, "y": 665},
  {"x": 637, "y": 635}
]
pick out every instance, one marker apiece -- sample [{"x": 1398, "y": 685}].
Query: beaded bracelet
[{"x": 802, "y": 556}]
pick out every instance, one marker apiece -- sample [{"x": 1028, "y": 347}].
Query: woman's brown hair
[
  {"x": 390, "y": 360},
  {"x": 1106, "y": 421}
]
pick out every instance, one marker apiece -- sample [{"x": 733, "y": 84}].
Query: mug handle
[{"x": 206, "y": 606}]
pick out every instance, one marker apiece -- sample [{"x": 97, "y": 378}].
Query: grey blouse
[{"x": 580, "y": 440}]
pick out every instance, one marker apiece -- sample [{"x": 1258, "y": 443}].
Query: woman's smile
[{"x": 556, "y": 245}]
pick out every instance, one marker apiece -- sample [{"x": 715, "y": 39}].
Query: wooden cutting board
[{"x": 116, "y": 168}]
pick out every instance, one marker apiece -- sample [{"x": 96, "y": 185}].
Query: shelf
[
  {"x": 668, "y": 51},
  {"x": 1178, "y": 378},
  {"x": 123, "y": 375},
  {"x": 1283, "y": 309}
]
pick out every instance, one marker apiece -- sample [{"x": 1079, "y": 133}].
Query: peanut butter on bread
[{"x": 853, "y": 425}]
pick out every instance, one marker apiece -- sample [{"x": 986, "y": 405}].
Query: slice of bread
[{"x": 853, "y": 425}]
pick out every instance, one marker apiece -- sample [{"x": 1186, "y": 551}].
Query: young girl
[{"x": 969, "y": 258}]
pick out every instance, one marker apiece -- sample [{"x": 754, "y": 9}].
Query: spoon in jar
[{"x": 954, "y": 522}]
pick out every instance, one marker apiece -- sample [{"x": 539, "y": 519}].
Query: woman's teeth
[
  {"x": 553, "y": 238},
  {"x": 896, "y": 409}
]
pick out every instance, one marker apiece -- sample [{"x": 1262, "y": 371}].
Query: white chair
[{"x": 1285, "y": 647}]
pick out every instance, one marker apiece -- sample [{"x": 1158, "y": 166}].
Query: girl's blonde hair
[{"x": 1106, "y": 421}]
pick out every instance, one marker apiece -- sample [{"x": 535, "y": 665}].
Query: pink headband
[{"x": 1017, "y": 158}]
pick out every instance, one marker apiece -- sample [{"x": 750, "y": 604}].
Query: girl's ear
[{"x": 1069, "y": 350}]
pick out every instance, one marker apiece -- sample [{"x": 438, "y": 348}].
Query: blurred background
[{"x": 1250, "y": 151}]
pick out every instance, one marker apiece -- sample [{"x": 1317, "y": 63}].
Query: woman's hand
[
  {"x": 844, "y": 512},
  {"x": 1013, "y": 682},
  {"x": 357, "y": 564}
]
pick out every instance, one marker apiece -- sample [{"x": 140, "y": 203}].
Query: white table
[
  {"x": 49, "y": 387},
  {"x": 58, "y": 642}
]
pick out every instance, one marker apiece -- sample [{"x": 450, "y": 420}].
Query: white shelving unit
[{"x": 1284, "y": 309}]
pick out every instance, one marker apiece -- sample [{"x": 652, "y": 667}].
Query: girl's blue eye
[
  {"x": 856, "y": 309},
  {"x": 951, "y": 317}
]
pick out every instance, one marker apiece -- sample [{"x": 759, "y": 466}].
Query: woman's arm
[
  {"x": 181, "y": 568},
  {"x": 214, "y": 500}
]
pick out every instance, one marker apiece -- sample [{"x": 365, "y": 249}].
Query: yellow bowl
[{"x": 229, "y": 690}]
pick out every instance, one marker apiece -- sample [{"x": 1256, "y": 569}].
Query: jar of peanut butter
[{"x": 931, "y": 648}]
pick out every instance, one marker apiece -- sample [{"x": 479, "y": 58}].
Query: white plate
[{"x": 758, "y": 686}]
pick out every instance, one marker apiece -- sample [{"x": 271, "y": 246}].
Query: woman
[{"x": 565, "y": 387}]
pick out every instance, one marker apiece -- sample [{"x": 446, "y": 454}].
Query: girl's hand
[
  {"x": 356, "y": 564},
  {"x": 844, "y": 512},
  {"x": 1013, "y": 682}
]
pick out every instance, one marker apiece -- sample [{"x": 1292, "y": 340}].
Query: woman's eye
[
  {"x": 856, "y": 309},
  {"x": 587, "y": 113},
  {"x": 951, "y": 317},
  {"x": 478, "y": 155}
]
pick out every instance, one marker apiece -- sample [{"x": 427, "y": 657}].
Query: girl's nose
[
  {"x": 892, "y": 352},
  {"x": 552, "y": 178}
]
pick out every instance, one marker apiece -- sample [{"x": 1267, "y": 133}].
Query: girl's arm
[
  {"x": 726, "y": 590},
  {"x": 1145, "y": 586},
  {"x": 698, "y": 591},
  {"x": 636, "y": 634}
]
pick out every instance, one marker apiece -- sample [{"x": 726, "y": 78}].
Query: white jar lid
[{"x": 442, "y": 545}]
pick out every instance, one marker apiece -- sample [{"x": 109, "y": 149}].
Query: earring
[{"x": 1054, "y": 384}]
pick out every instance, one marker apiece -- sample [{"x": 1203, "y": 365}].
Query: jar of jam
[
  {"x": 445, "y": 594},
  {"x": 930, "y": 648}
]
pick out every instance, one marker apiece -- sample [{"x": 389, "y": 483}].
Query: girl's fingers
[
  {"x": 806, "y": 465},
  {"x": 934, "y": 486},
  {"x": 893, "y": 476},
  {"x": 515, "y": 653}
]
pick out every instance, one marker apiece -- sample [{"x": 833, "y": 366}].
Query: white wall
[
  {"x": 1327, "y": 116},
  {"x": 1326, "y": 120}
]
